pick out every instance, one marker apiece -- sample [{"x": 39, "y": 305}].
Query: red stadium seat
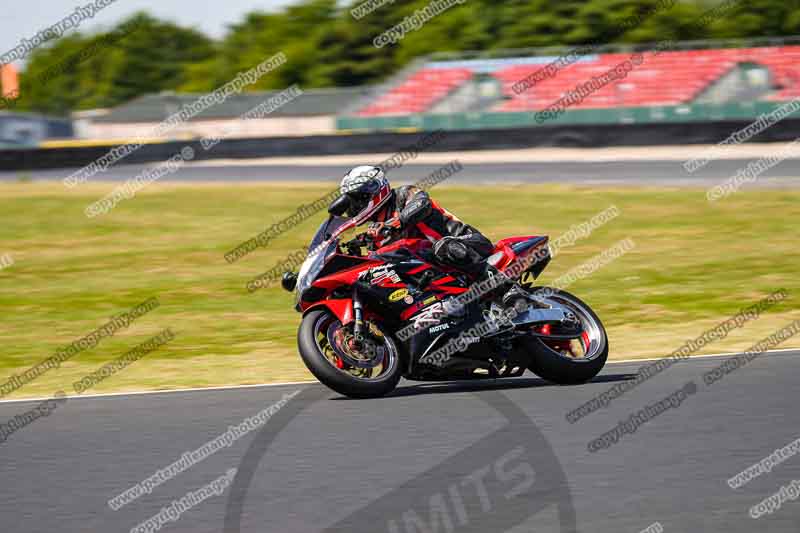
[
  {"x": 418, "y": 92},
  {"x": 670, "y": 78}
]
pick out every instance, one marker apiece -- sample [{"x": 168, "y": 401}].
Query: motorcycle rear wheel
[
  {"x": 369, "y": 376},
  {"x": 555, "y": 361}
]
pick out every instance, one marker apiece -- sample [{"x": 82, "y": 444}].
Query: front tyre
[
  {"x": 326, "y": 347},
  {"x": 572, "y": 361}
]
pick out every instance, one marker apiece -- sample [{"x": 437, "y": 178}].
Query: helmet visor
[{"x": 360, "y": 197}]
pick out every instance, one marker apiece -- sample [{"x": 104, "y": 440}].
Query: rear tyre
[
  {"x": 322, "y": 341},
  {"x": 555, "y": 361}
]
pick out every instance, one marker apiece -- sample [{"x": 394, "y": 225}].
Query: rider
[{"x": 411, "y": 213}]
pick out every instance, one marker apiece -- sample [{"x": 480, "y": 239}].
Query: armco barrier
[{"x": 643, "y": 134}]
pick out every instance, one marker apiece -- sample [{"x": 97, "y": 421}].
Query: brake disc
[{"x": 342, "y": 342}]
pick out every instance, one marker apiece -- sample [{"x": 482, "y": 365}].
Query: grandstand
[
  {"x": 684, "y": 82},
  {"x": 671, "y": 78}
]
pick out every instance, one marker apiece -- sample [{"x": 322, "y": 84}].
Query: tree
[{"x": 142, "y": 55}]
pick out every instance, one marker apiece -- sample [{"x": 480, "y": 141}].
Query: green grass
[{"x": 694, "y": 264}]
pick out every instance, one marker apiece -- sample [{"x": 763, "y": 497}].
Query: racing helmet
[{"x": 367, "y": 190}]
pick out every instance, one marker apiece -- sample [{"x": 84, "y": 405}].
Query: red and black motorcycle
[{"x": 372, "y": 316}]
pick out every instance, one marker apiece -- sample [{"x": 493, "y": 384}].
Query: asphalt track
[
  {"x": 636, "y": 173},
  {"x": 326, "y": 463}
]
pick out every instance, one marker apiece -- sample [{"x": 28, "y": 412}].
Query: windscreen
[{"x": 325, "y": 230}]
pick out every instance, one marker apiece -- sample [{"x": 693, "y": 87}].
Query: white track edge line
[{"x": 290, "y": 383}]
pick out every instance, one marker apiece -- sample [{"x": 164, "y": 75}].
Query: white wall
[{"x": 267, "y": 127}]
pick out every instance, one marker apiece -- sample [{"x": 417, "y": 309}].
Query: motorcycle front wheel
[{"x": 328, "y": 351}]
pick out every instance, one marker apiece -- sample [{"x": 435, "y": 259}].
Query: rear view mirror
[{"x": 289, "y": 281}]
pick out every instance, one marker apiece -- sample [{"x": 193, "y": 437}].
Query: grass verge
[{"x": 694, "y": 264}]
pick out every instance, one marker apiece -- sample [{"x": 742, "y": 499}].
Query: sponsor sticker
[
  {"x": 400, "y": 294},
  {"x": 382, "y": 274},
  {"x": 430, "y": 300},
  {"x": 528, "y": 279},
  {"x": 429, "y": 316},
  {"x": 440, "y": 327}
]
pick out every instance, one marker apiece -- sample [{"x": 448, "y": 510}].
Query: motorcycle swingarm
[{"x": 533, "y": 317}]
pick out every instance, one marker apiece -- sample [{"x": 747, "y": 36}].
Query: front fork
[{"x": 358, "y": 319}]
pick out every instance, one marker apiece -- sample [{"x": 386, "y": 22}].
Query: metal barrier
[{"x": 573, "y": 135}]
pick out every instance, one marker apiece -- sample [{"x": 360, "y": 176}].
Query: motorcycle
[{"x": 372, "y": 315}]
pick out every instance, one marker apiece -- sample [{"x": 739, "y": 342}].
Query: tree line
[{"x": 327, "y": 46}]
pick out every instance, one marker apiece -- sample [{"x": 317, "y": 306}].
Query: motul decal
[{"x": 440, "y": 327}]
